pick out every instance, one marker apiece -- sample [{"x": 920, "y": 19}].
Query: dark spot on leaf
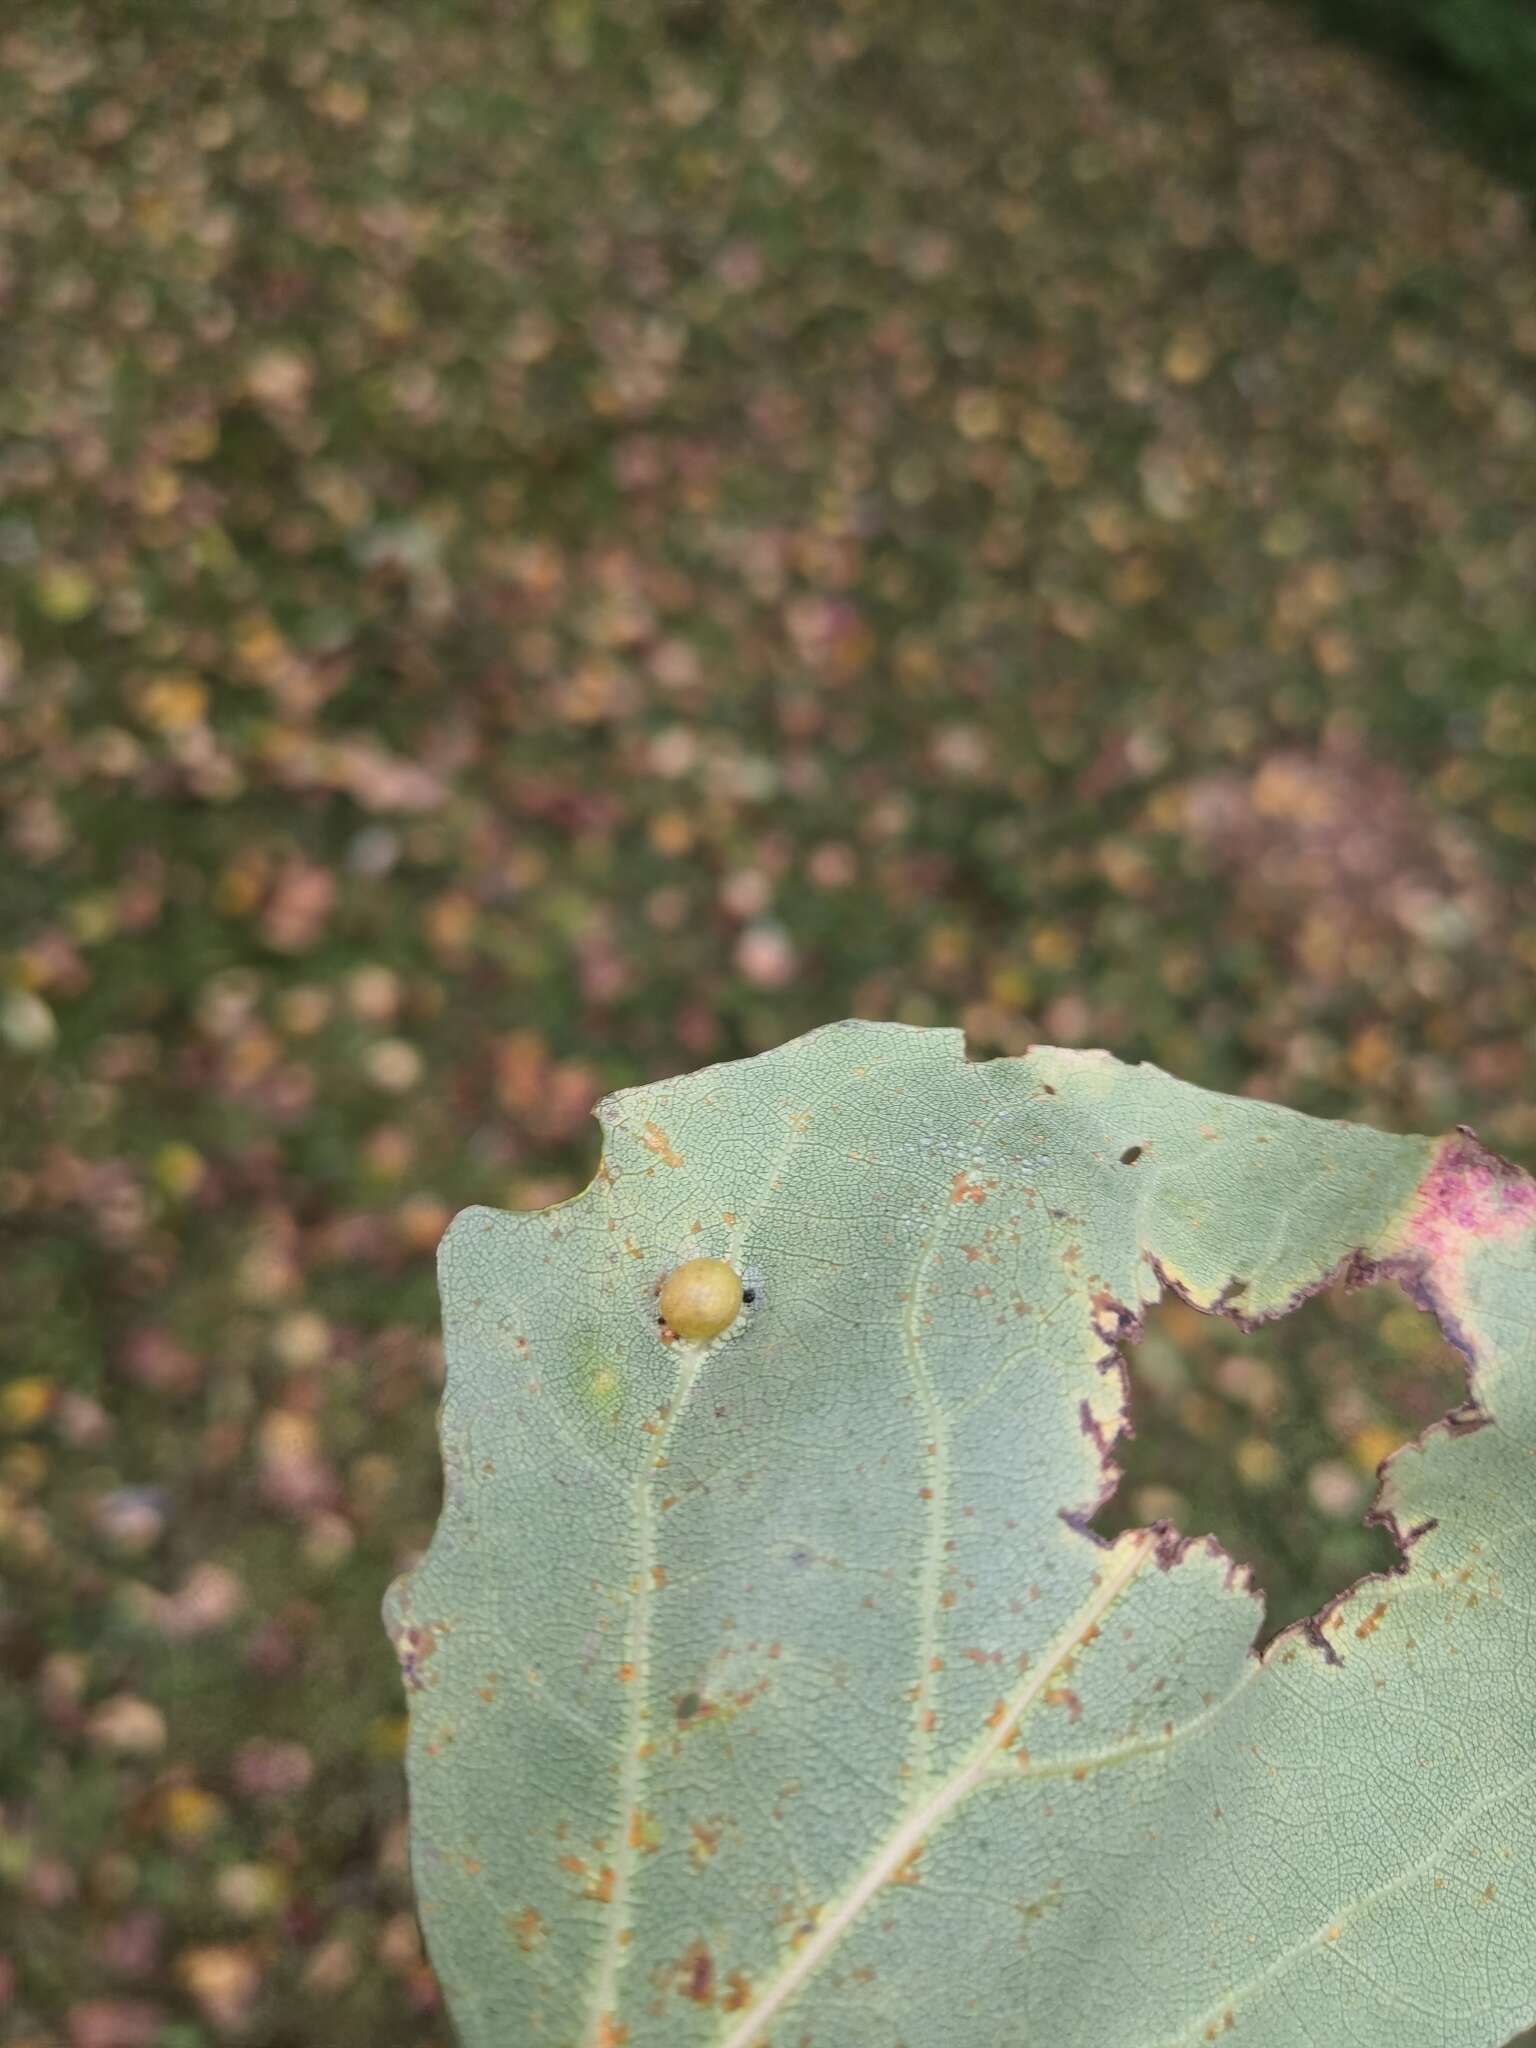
[
  {"x": 688, "y": 1705},
  {"x": 698, "y": 1975},
  {"x": 1131, "y": 1154},
  {"x": 749, "y": 1295}
]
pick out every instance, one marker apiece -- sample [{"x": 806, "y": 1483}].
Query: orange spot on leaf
[
  {"x": 655, "y": 1139},
  {"x": 529, "y": 1928},
  {"x": 1063, "y": 1696},
  {"x": 644, "y": 1832}
]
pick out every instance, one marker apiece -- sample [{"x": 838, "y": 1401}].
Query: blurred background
[{"x": 545, "y": 546}]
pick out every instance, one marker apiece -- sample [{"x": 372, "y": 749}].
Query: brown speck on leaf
[
  {"x": 696, "y": 1975},
  {"x": 528, "y": 1928},
  {"x": 1372, "y": 1621},
  {"x": 805, "y": 1930}
]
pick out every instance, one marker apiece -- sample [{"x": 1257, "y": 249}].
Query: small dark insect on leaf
[{"x": 1131, "y": 1154}]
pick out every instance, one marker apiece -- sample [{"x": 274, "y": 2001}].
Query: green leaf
[{"x": 773, "y": 1690}]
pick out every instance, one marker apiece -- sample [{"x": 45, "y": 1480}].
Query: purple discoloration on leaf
[
  {"x": 1470, "y": 1197},
  {"x": 413, "y": 1647},
  {"x": 1100, "y": 1437},
  {"x": 1469, "y": 1192}
]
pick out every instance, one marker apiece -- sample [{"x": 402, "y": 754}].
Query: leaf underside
[{"x": 774, "y": 1691}]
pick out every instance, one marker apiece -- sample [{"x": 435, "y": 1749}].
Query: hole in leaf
[{"x": 1269, "y": 1441}]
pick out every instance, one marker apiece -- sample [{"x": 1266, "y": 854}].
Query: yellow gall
[{"x": 699, "y": 1299}]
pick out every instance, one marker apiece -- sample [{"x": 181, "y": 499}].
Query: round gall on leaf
[{"x": 700, "y": 1299}]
